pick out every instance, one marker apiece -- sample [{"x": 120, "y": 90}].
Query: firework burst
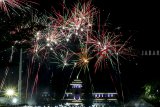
[
  {"x": 83, "y": 59},
  {"x": 62, "y": 59},
  {"x": 106, "y": 47}
]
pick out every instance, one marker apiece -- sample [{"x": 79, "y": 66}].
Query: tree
[{"x": 152, "y": 92}]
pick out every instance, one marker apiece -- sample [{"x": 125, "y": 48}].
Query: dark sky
[{"x": 139, "y": 19}]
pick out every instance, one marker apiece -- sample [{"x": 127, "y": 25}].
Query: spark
[
  {"x": 62, "y": 59},
  {"x": 106, "y": 47},
  {"x": 83, "y": 59},
  {"x": 8, "y": 5}
]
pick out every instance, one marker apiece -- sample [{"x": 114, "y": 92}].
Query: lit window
[
  {"x": 95, "y": 95},
  {"x": 108, "y": 95},
  {"x": 111, "y": 95}
]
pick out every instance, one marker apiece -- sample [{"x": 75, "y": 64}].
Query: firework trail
[
  {"x": 3, "y": 80},
  {"x": 35, "y": 81},
  {"x": 7, "y": 69},
  {"x": 63, "y": 59},
  {"x": 5, "y": 4},
  {"x": 121, "y": 85},
  {"x": 12, "y": 5},
  {"x": 28, "y": 75},
  {"x": 68, "y": 82},
  {"x": 11, "y": 57}
]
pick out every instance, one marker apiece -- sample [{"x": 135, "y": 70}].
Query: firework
[
  {"x": 62, "y": 59},
  {"x": 83, "y": 59},
  {"x": 107, "y": 46},
  {"x": 7, "y": 69},
  {"x": 7, "y": 5},
  {"x": 69, "y": 39}
]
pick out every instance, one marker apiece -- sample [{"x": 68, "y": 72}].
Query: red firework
[{"x": 107, "y": 47}]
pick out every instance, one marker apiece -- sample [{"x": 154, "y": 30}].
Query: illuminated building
[{"x": 75, "y": 96}]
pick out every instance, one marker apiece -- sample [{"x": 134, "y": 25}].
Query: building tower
[
  {"x": 20, "y": 78},
  {"x": 77, "y": 89},
  {"x": 74, "y": 96}
]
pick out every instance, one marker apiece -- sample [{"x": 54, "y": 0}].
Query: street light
[
  {"x": 10, "y": 92},
  {"x": 15, "y": 100}
]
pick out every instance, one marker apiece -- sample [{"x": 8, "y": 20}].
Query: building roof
[{"x": 76, "y": 81}]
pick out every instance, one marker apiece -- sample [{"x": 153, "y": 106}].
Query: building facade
[{"x": 75, "y": 97}]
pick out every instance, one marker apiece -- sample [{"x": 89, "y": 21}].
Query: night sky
[{"x": 137, "y": 19}]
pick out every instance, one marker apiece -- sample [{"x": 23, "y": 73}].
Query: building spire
[{"x": 20, "y": 77}]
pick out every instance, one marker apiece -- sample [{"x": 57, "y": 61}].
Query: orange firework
[{"x": 83, "y": 59}]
